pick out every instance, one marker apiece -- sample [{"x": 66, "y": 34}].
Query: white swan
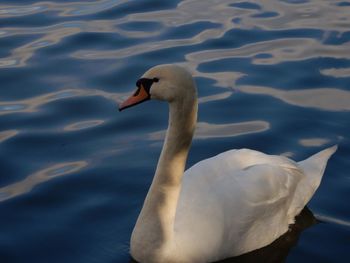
[{"x": 224, "y": 206}]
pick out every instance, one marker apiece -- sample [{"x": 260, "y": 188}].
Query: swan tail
[
  {"x": 313, "y": 169},
  {"x": 315, "y": 165}
]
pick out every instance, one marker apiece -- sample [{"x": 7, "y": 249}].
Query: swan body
[{"x": 224, "y": 206}]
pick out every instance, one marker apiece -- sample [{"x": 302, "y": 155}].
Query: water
[{"x": 272, "y": 76}]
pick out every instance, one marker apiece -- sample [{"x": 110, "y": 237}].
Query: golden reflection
[
  {"x": 4, "y": 135},
  {"x": 183, "y": 14},
  {"x": 333, "y": 220},
  {"x": 12, "y": 11},
  {"x": 325, "y": 17},
  {"x": 322, "y": 15},
  {"x": 32, "y": 104},
  {"x": 215, "y": 97},
  {"x": 20, "y": 55},
  {"x": 148, "y": 47},
  {"x": 322, "y": 98},
  {"x": 83, "y": 125},
  {"x": 313, "y": 142},
  {"x": 336, "y": 72},
  {"x": 222, "y": 79},
  {"x": 54, "y": 34},
  {"x": 63, "y": 9},
  {"x": 206, "y": 130},
  {"x": 290, "y": 17},
  {"x": 39, "y": 177},
  {"x": 278, "y": 50}
]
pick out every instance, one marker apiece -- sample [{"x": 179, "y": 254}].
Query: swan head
[{"x": 168, "y": 82}]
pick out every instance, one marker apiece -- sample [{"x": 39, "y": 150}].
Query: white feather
[
  {"x": 241, "y": 200},
  {"x": 224, "y": 206}
]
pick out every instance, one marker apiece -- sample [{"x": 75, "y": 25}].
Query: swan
[{"x": 223, "y": 206}]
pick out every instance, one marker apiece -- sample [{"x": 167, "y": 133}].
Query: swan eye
[{"x": 145, "y": 83}]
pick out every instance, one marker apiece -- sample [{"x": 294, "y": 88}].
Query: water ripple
[
  {"x": 39, "y": 177},
  {"x": 271, "y": 75},
  {"x": 63, "y": 9},
  {"x": 83, "y": 125},
  {"x": 336, "y": 72},
  {"x": 33, "y": 104},
  {"x": 4, "y": 135},
  {"x": 314, "y": 142},
  {"x": 206, "y": 130},
  {"x": 322, "y": 98},
  {"x": 243, "y": 15}
]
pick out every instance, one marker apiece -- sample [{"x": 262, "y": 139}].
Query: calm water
[{"x": 272, "y": 76}]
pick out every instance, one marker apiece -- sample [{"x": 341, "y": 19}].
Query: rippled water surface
[{"x": 272, "y": 76}]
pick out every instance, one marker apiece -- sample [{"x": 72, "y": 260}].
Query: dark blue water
[{"x": 272, "y": 76}]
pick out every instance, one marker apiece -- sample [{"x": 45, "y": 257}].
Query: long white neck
[{"x": 154, "y": 228}]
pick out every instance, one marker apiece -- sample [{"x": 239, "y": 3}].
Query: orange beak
[{"x": 139, "y": 96}]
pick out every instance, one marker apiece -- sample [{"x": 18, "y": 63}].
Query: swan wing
[{"x": 236, "y": 202}]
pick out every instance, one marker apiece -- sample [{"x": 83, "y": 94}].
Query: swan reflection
[{"x": 277, "y": 251}]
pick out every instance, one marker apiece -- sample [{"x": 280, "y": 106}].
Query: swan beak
[{"x": 139, "y": 96}]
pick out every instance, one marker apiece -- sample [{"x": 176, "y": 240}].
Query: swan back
[{"x": 241, "y": 200}]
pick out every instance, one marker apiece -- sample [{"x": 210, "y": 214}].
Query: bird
[{"x": 227, "y": 205}]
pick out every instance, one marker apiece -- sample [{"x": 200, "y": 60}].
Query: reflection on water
[
  {"x": 206, "y": 130},
  {"x": 63, "y": 9},
  {"x": 4, "y": 135},
  {"x": 336, "y": 72},
  {"x": 39, "y": 177},
  {"x": 324, "y": 98},
  {"x": 277, "y": 252},
  {"x": 276, "y": 72},
  {"x": 32, "y": 104},
  {"x": 219, "y": 96},
  {"x": 275, "y": 51},
  {"x": 313, "y": 142},
  {"x": 330, "y": 219},
  {"x": 83, "y": 125}
]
